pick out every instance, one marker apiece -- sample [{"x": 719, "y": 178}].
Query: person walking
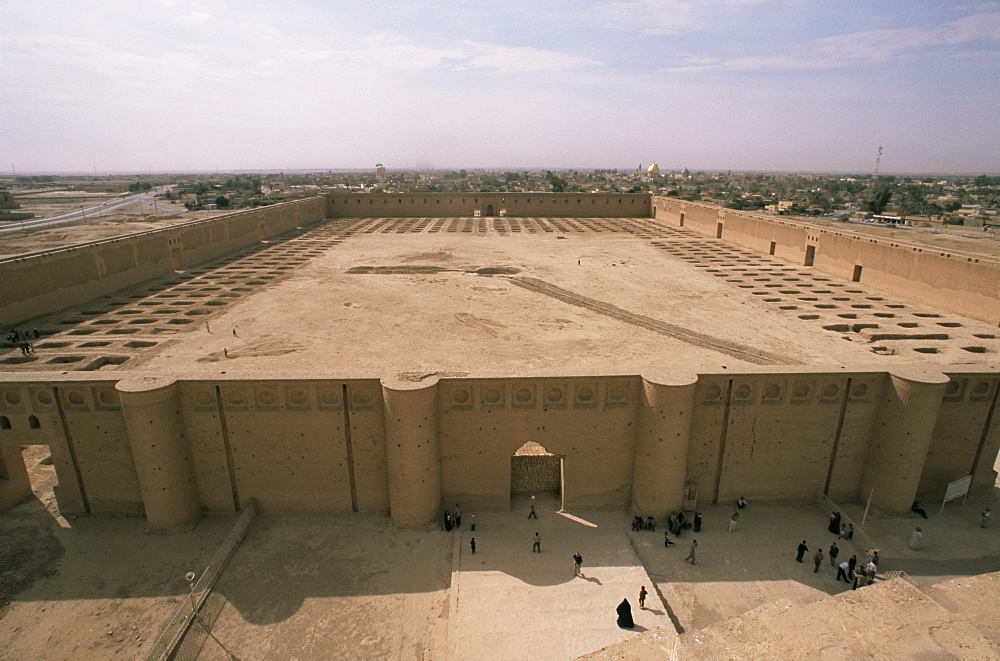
[
  {"x": 818, "y": 560},
  {"x": 472, "y": 543},
  {"x": 458, "y": 516},
  {"x": 802, "y": 548},
  {"x": 834, "y": 552},
  {"x": 852, "y": 562},
  {"x": 537, "y": 546},
  {"x": 642, "y": 597},
  {"x": 697, "y": 521},
  {"x": 915, "y": 539},
  {"x": 732, "y": 521},
  {"x": 531, "y": 513},
  {"x": 985, "y": 517},
  {"x": 691, "y": 553},
  {"x": 472, "y": 523},
  {"x": 666, "y": 540},
  {"x": 577, "y": 565},
  {"x": 843, "y": 570}
]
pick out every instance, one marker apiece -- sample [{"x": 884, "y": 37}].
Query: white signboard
[{"x": 957, "y": 489}]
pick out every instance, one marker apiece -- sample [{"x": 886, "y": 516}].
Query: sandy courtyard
[{"x": 354, "y": 309}]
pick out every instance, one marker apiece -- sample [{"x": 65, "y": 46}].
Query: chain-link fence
[{"x": 172, "y": 643}]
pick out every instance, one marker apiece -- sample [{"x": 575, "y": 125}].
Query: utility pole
[{"x": 878, "y": 161}]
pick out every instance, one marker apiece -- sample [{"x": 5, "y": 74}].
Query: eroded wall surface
[{"x": 371, "y": 445}]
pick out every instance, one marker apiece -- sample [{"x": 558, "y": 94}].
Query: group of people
[
  {"x": 454, "y": 520},
  {"x": 16, "y": 335},
  {"x": 19, "y": 336},
  {"x": 848, "y": 570},
  {"x": 858, "y": 575},
  {"x": 677, "y": 523},
  {"x": 840, "y": 529},
  {"x": 638, "y": 523}
]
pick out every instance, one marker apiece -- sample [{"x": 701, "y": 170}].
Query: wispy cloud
[
  {"x": 868, "y": 47},
  {"x": 389, "y": 54},
  {"x": 666, "y": 17},
  {"x": 523, "y": 59}
]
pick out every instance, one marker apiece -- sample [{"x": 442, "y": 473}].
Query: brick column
[
  {"x": 412, "y": 450},
  {"x": 661, "y": 448},
  {"x": 152, "y": 410},
  {"x": 902, "y": 436}
]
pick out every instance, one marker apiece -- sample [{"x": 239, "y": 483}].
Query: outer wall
[
  {"x": 766, "y": 435},
  {"x": 964, "y": 284}
]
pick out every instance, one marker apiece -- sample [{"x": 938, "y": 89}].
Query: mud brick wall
[{"x": 530, "y": 475}]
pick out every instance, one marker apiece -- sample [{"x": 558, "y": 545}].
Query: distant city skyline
[{"x": 743, "y": 85}]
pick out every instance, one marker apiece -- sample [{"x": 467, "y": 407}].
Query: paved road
[{"x": 85, "y": 213}]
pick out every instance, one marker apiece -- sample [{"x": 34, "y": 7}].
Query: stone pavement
[
  {"x": 756, "y": 564},
  {"x": 510, "y": 603}
]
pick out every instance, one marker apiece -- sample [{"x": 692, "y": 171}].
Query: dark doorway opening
[
  {"x": 718, "y": 230},
  {"x": 489, "y": 209},
  {"x": 774, "y": 246},
  {"x": 810, "y": 255},
  {"x": 857, "y": 273}
]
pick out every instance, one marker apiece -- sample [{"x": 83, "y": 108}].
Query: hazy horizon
[
  {"x": 792, "y": 86},
  {"x": 370, "y": 170}
]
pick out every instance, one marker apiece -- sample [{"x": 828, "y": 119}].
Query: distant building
[
  {"x": 7, "y": 208},
  {"x": 379, "y": 173},
  {"x": 781, "y": 207}
]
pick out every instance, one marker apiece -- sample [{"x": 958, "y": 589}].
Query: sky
[{"x": 779, "y": 85}]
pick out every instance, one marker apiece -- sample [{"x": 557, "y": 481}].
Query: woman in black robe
[
  {"x": 624, "y": 611},
  {"x": 834, "y": 526}
]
